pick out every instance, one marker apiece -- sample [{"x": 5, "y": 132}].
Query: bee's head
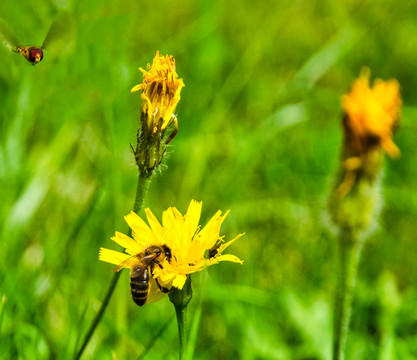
[
  {"x": 153, "y": 250},
  {"x": 35, "y": 55},
  {"x": 167, "y": 251}
]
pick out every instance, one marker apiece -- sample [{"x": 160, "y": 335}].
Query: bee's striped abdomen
[{"x": 139, "y": 287}]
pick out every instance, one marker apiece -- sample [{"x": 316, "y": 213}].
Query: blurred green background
[{"x": 259, "y": 134}]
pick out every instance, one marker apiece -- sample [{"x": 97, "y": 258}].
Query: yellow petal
[
  {"x": 132, "y": 246},
  {"x": 112, "y": 257},
  {"x": 136, "y": 88},
  {"x": 179, "y": 281},
  {"x": 390, "y": 148},
  {"x": 226, "y": 245},
  {"x": 154, "y": 224},
  {"x": 215, "y": 222},
  {"x": 168, "y": 219},
  {"x": 178, "y": 216},
  {"x": 193, "y": 214},
  {"x": 141, "y": 232},
  {"x": 228, "y": 257}
]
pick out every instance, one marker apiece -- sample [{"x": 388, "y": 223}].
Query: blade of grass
[
  {"x": 155, "y": 338},
  {"x": 192, "y": 340}
]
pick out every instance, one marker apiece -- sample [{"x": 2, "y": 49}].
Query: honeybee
[
  {"x": 141, "y": 267},
  {"x": 57, "y": 38}
]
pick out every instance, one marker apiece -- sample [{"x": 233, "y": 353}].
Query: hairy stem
[
  {"x": 141, "y": 191},
  {"x": 350, "y": 250}
]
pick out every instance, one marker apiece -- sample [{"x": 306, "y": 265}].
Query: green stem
[
  {"x": 141, "y": 190},
  {"x": 350, "y": 249},
  {"x": 192, "y": 338},
  {"x": 181, "y": 299},
  {"x": 181, "y": 320}
]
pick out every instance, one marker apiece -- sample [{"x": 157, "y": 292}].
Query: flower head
[
  {"x": 372, "y": 114},
  {"x": 191, "y": 248},
  {"x": 161, "y": 89}
]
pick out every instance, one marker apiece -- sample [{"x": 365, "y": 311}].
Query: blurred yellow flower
[
  {"x": 161, "y": 92},
  {"x": 372, "y": 114},
  {"x": 191, "y": 248}
]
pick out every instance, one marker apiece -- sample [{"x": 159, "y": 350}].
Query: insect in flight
[
  {"x": 141, "y": 267},
  {"x": 56, "y": 38}
]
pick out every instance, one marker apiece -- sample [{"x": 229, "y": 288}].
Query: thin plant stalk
[
  {"x": 141, "y": 190},
  {"x": 181, "y": 299},
  {"x": 155, "y": 338},
  {"x": 349, "y": 254},
  {"x": 181, "y": 313},
  {"x": 356, "y": 202},
  {"x": 192, "y": 338}
]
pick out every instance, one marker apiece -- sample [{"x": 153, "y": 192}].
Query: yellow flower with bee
[{"x": 162, "y": 256}]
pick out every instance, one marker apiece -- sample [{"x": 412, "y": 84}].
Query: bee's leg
[
  {"x": 158, "y": 263},
  {"x": 163, "y": 289}
]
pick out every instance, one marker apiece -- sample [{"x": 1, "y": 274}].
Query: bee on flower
[
  {"x": 161, "y": 257},
  {"x": 161, "y": 88}
]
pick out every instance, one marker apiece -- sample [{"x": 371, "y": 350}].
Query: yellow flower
[
  {"x": 161, "y": 92},
  {"x": 372, "y": 114},
  {"x": 191, "y": 248}
]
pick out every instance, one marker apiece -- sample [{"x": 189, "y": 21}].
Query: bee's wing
[
  {"x": 60, "y": 34},
  {"x": 142, "y": 264},
  {"x": 129, "y": 262},
  {"x": 7, "y": 37}
]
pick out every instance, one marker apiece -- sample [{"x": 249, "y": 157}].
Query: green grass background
[{"x": 259, "y": 134}]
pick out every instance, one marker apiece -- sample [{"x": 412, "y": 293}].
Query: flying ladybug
[{"x": 55, "y": 38}]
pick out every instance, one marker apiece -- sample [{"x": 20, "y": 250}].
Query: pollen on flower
[
  {"x": 161, "y": 91},
  {"x": 371, "y": 114},
  {"x": 184, "y": 246}
]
